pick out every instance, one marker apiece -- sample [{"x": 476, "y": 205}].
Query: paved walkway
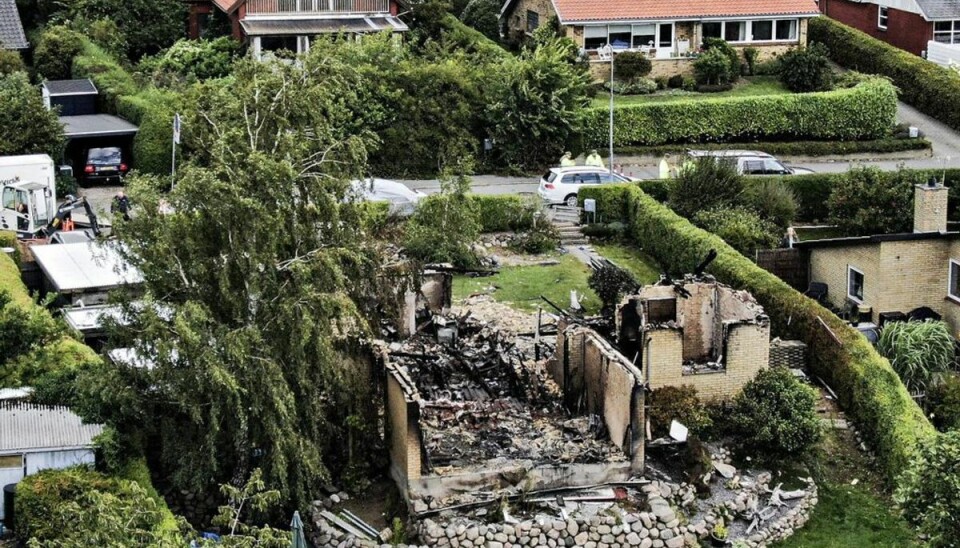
[{"x": 945, "y": 140}]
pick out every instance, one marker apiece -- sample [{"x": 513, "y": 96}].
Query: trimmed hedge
[
  {"x": 868, "y": 388},
  {"x": 865, "y": 111},
  {"x": 932, "y": 89},
  {"x": 10, "y": 277},
  {"x": 790, "y": 148},
  {"x": 502, "y": 213}
]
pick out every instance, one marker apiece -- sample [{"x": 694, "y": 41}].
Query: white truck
[{"x": 28, "y": 198}]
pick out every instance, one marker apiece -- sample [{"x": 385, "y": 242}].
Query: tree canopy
[{"x": 26, "y": 125}]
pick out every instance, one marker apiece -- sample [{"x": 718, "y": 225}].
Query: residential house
[
  {"x": 907, "y": 24},
  {"x": 669, "y": 32},
  {"x": 273, "y": 25},
  {"x": 11, "y": 29},
  {"x": 37, "y": 437},
  {"x": 885, "y": 276}
]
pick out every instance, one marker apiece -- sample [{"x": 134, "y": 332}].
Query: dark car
[{"x": 104, "y": 165}]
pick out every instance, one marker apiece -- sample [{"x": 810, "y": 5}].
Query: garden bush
[
  {"x": 932, "y": 89},
  {"x": 503, "y": 213},
  {"x": 733, "y": 58},
  {"x": 943, "y": 403},
  {"x": 191, "y": 60},
  {"x": 26, "y": 125},
  {"x": 484, "y": 16},
  {"x": 675, "y": 81},
  {"x": 445, "y": 226},
  {"x": 630, "y": 65},
  {"x": 862, "y": 199},
  {"x": 803, "y": 70},
  {"x": 928, "y": 490},
  {"x": 111, "y": 79},
  {"x": 611, "y": 283},
  {"x": 678, "y": 403},
  {"x": 773, "y": 199},
  {"x": 704, "y": 184},
  {"x": 10, "y": 62},
  {"x": 750, "y": 56},
  {"x": 866, "y": 385},
  {"x": 742, "y": 228},
  {"x": 867, "y": 111},
  {"x": 713, "y": 67},
  {"x": 920, "y": 352},
  {"x": 53, "y": 57},
  {"x": 775, "y": 415},
  {"x": 152, "y": 110},
  {"x": 542, "y": 237}
]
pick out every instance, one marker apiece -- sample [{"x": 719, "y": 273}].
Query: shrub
[
  {"x": 483, "y": 15},
  {"x": 704, "y": 184},
  {"x": 865, "y": 383},
  {"x": 192, "y": 60},
  {"x": 542, "y": 237},
  {"x": 630, "y": 65},
  {"x": 803, "y": 70},
  {"x": 733, "y": 58},
  {"x": 773, "y": 199},
  {"x": 943, "y": 403},
  {"x": 53, "y": 58},
  {"x": 111, "y": 79},
  {"x": 770, "y": 67},
  {"x": 26, "y": 125},
  {"x": 932, "y": 89},
  {"x": 861, "y": 200},
  {"x": 149, "y": 26},
  {"x": 152, "y": 110},
  {"x": 928, "y": 490},
  {"x": 502, "y": 213},
  {"x": 776, "y": 415},
  {"x": 444, "y": 226},
  {"x": 675, "y": 81},
  {"x": 678, "y": 403},
  {"x": 106, "y": 34},
  {"x": 611, "y": 283},
  {"x": 640, "y": 86},
  {"x": 750, "y": 55},
  {"x": 605, "y": 231},
  {"x": 740, "y": 227},
  {"x": 866, "y": 111},
  {"x": 713, "y": 67},
  {"x": 10, "y": 62},
  {"x": 920, "y": 352},
  {"x": 661, "y": 82}
]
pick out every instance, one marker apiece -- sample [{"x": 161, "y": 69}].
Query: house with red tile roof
[
  {"x": 273, "y": 25},
  {"x": 669, "y": 32}
]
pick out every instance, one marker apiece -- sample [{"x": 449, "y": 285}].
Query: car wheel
[{"x": 570, "y": 201}]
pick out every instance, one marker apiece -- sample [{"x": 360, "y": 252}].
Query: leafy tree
[
  {"x": 259, "y": 282},
  {"x": 22, "y": 330},
  {"x": 535, "y": 105},
  {"x": 148, "y": 25},
  {"x": 611, "y": 283},
  {"x": 10, "y": 62},
  {"x": 773, "y": 200},
  {"x": 483, "y": 15},
  {"x": 775, "y": 415},
  {"x": 861, "y": 200},
  {"x": 733, "y": 59},
  {"x": 53, "y": 58},
  {"x": 106, "y": 34},
  {"x": 26, "y": 126},
  {"x": 928, "y": 489},
  {"x": 920, "y": 352},
  {"x": 703, "y": 184},
  {"x": 445, "y": 225},
  {"x": 713, "y": 67},
  {"x": 806, "y": 69},
  {"x": 191, "y": 60},
  {"x": 630, "y": 65},
  {"x": 678, "y": 403},
  {"x": 253, "y": 498},
  {"x": 740, "y": 227}
]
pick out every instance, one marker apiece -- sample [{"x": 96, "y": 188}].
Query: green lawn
[
  {"x": 521, "y": 286},
  {"x": 751, "y": 86},
  {"x": 638, "y": 263}
]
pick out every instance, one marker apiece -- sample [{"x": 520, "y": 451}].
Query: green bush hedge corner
[
  {"x": 932, "y": 89},
  {"x": 502, "y": 213},
  {"x": 868, "y": 388},
  {"x": 10, "y": 280},
  {"x": 865, "y": 111}
]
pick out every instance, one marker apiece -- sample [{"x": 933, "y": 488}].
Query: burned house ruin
[{"x": 696, "y": 332}]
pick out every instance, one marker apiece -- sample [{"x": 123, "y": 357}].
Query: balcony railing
[{"x": 314, "y": 7}]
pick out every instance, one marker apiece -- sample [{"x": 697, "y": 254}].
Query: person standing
[
  {"x": 594, "y": 159},
  {"x": 567, "y": 160},
  {"x": 665, "y": 167},
  {"x": 121, "y": 205}
]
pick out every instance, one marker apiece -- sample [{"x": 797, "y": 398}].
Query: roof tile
[
  {"x": 11, "y": 30},
  {"x": 612, "y": 10}
]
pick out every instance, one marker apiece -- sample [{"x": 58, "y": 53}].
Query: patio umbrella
[{"x": 296, "y": 532}]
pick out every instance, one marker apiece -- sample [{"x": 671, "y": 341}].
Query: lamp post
[{"x": 610, "y": 50}]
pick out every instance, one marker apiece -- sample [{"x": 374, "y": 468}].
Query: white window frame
[
  {"x": 883, "y": 17},
  {"x": 952, "y": 35},
  {"x": 775, "y": 22},
  {"x": 633, "y": 25},
  {"x": 953, "y": 263},
  {"x": 863, "y": 286}
]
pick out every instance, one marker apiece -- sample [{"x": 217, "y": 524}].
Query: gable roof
[
  {"x": 30, "y": 427},
  {"x": 11, "y": 29},
  {"x": 70, "y": 87},
  {"x": 228, "y": 6},
  {"x": 612, "y": 10},
  {"x": 939, "y": 9}
]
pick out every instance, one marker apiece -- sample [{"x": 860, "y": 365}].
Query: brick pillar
[
  {"x": 930, "y": 208},
  {"x": 638, "y": 429}
]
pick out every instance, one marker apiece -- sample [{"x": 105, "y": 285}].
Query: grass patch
[
  {"x": 849, "y": 515},
  {"x": 746, "y": 87},
  {"x": 638, "y": 263},
  {"x": 521, "y": 286}
]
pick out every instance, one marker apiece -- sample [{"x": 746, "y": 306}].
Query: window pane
[
  {"x": 711, "y": 30},
  {"x": 943, "y": 26},
  {"x": 787, "y": 29},
  {"x": 735, "y": 31},
  {"x": 595, "y": 32},
  {"x": 666, "y": 36},
  {"x": 762, "y": 30},
  {"x": 533, "y": 20},
  {"x": 954, "y": 280},
  {"x": 11, "y": 461},
  {"x": 773, "y": 167},
  {"x": 594, "y": 43},
  {"x": 753, "y": 167},
  {"x": 643, "y": 39},
  {"x": 855, "y": 280}
]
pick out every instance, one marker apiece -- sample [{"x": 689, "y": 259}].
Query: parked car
[
  {"x": 403, "y": 201},
  {"x": 104, "y": 165},
  {"x": 560, "y": 185},
  {"x": 751, "y": 162}
]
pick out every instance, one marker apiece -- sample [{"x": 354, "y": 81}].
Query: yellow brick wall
[
  {"x": 912, "y": 274},
  {"x": 404, "y": 434},
  {"x": 517, "y": 21},
  {"x": 829, "y": 265},
  {"x": 930, "y": 209}
]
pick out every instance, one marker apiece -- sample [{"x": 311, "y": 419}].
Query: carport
[{"x": 96, "y": 131}]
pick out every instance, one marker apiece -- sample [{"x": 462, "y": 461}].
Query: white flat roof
[
  {"x": 83, "y": 266},
  {"x": 90, "y": 318}
]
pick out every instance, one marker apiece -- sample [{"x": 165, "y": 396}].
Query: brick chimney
[{"x": 930, "y": 207}]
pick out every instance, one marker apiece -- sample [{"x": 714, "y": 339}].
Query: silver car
[
  {"x": 751, "y": 162},
  {"x": 403, "y": 201}
]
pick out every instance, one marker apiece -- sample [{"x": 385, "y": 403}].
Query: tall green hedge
[
  {"x": 932, "y": 89},
  {"x": 865, "y": 111},
  {"x": 150, "y": 108},
  {"x": 868, "y": 388},
  {"x": 502, "y": 213}
]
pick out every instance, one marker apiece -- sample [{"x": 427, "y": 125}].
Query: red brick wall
[{"x": 905, "y": 30}]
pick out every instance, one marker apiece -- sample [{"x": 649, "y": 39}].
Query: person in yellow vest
[
  {"x": 594, "y": 159},
  {"x": 567, "y": 160},
  {"x": 665, "y": 167}
]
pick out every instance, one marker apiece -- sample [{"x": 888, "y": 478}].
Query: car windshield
[{"x": 103, "y": 156}]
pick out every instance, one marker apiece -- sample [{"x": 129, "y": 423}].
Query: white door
[{"x": 11, "y": 471}]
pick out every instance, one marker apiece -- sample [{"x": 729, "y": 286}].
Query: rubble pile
[{"x": 485, "y": 399}]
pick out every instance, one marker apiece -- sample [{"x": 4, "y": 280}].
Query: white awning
[{"x": 85, "y": 266}]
